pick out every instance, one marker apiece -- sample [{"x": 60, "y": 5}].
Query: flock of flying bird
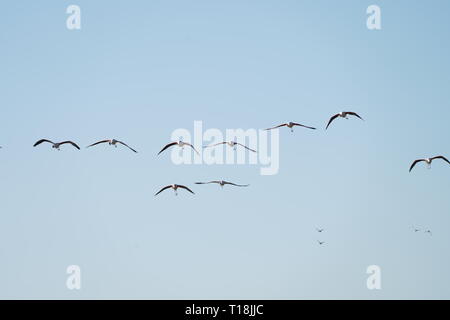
[
  {"x": 181, "y": 144},
  {"x": 233, "y": 144}
]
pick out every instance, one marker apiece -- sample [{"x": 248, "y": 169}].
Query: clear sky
[{"x": 138, "y": 70}]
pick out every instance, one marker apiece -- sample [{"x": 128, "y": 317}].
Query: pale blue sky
[{"x": 137, "y": 70}]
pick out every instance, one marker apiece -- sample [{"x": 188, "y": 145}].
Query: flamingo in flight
[
  {"x": 56, "y": 145},
  {"x": 222, "y": 183},
  {"x": 232, "y": 144},
  {"x": 291, "y": 126},
  {"x": 175, "y": 188},
  {"x": 428, "y": 161},
  {"x": 112, "y": 142},
  {"x": 343, "y": 114},
  {"x": 180, "y": 144}
]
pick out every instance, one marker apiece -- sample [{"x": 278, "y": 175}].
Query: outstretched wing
[
  {"x": 167, "y": 146},
  {"x": 184, "y": 187},
  {"x": 245, "y": 147},
  {"x": 236, "y": 185},
  {"x": 70, "y": 142},
  {"x": 166, "y": 187},
  {"x": 354, "y": 114},
  {"x": 208, "y": 182},
  {"x": 331, "y": 120},
  {"x": 281, "y": 125},
  {"x": 123, "y": 143},
  {"x": 414, "y": 163},
  {"x": 301, "y": 125},
  {"x": 94, "y": 144},
  {"x": 41, "y": 141},
  {"x": 213, "y": 145},
  {"x": 188, "y": 144},
  {"x": 441, "y": 157}
]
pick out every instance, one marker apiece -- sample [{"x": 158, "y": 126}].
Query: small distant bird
[
  {"x": 343, "y": 114},
  {"x": 320, "y": 242},
  {"x": 112, "y": 142},
  {"x": 222, "y": 183},
  {"x": 56, "y": 145},
  {"x": 232, "y": 144},
  {"x": 428, "y": 161},
  {"x": 320, "y": 230},
  {"x": 181, "y": 144},
  {"x": 291, "y": 126},
  {"x": 416, "y": 230},
  {"x": 174, "y": 187},
  {"x": 429, "y": 232}
]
